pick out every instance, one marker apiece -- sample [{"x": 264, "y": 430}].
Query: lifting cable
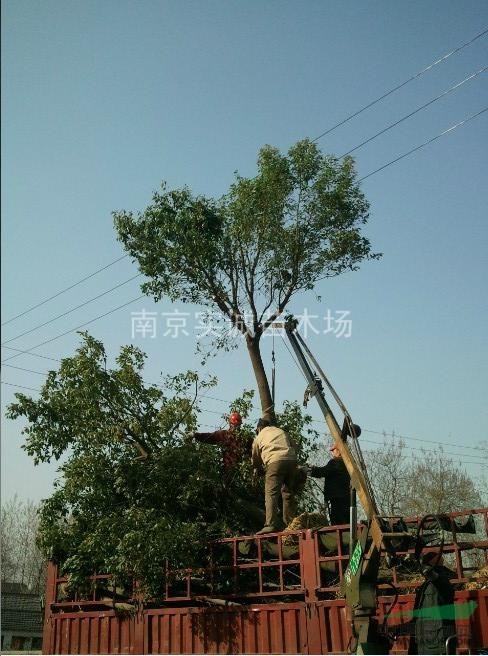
[{"x": 273, "y": 374}]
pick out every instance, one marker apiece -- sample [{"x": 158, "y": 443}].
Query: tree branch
[{"x": 279, "y": 309}]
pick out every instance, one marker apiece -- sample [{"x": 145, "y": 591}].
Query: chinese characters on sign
[{"x": 175, "y": 324}]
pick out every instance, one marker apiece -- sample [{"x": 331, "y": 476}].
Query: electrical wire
[
  {"x": 450, "y": 453},
  {"x": 315, "y": 421},
  {"x": 32, "y": 389},
  {"x": 72, "y": 330},
  {"x": 328, "y": 131},
  {"x": 420, "y": 439},
  {"x": 34, "y": 307},
  {"x": 323, "y": 134},
  {"x": 386, "y": 129},
  {"x": 216, "y": 412},
  {"x": 31, "y": 371},
  {"x": 415, "y": 111},
  {"x": 425, "y": 143},
  {"x": 77, "y": 307},
  {"x": 37, "y": 355},
  {"x": 399, "y": 86},
  {"x": 389, "y": 127}
]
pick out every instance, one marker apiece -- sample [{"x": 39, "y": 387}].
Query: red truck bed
[{"x": 258, "y": 595}]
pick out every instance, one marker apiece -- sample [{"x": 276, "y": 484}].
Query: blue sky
[{"x": 103, "y": 100}]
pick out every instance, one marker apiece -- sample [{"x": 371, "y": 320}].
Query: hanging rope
[{"x": 273, "y": 373}]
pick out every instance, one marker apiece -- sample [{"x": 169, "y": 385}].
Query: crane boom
[{"x": 361, "y": 575}]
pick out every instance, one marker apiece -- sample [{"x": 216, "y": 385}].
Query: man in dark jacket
[
  {"x": 337, "y": 482},
  {"x": 336, "y": 486}
]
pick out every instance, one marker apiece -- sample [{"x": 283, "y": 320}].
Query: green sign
[
  {"x": 461, "y": 611},
  {"x": 356, "y": 558}
]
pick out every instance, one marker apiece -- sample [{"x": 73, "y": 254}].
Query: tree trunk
[{"x": 267, "y": 406}]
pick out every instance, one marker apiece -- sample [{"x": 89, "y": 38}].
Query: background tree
[
  {"x": 483, "y": 485},
  {"x": 22, "y": 561},
  {"x": 248, "y": 253},
  {"x": 115, "y": 511},
  {"x": 388, "y": 469},
  {"x": 436, "y": 484},
  {"x": 429, "y": 484}
]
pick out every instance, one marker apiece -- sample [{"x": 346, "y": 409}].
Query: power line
[
  {"x": 323, "y": 134},
  {"x": 420, "y": 439},
  {"x": 31, "y": 371},
  {"x": 328, "y": 131},
  {"x": 33, "y": 307},
  {"x": 365, "y": 429},
  {"x": 37, "y": 355},
  {"x": 348, "y": 118},
  {"x": 32, "y": 389},
  {"x": 422, "y": 145},
  {"x": 450, "y": 453},
  {"x": 227, "y": 402},
  {"x": 415, "y": 111},
  {"x": 82, "y": 325},
  {"x": 77, "y": 307},
  {"x": 255, "y": 407},
  {"x": 219, "y": 413},
  {"x": 410, "y": 79},
  {"x": 403, "y": 437}
]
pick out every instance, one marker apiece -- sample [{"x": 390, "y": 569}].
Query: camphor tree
[
  {"x": 117, "y": 512},
  {"x": 249, "y": 252}
]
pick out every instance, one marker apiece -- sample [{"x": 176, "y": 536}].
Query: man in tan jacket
[{"x": 273, "y": 451}]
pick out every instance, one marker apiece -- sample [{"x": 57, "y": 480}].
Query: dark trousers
[{"x": 339, "y": 510}]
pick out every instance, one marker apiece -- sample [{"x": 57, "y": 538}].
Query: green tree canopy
[
  {"x": 251, "y": 251},
  {"x": 117, "y": 512}
]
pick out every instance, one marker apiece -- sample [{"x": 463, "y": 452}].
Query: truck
[{"x": 361, "y": 587}]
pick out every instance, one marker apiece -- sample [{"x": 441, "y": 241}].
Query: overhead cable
[
  {"x": 422, "y": 145},
  {"x": 34, "y": 307},
  {"x": 323, "y": 134},
  {"x": 77, "y": 307},
  {"x": 255, "y": 407},
  {"x": 37, "y": 355},
  {"x": 30, "y": 371},
  {"x": 364, "y": 429},
  {"x": 450, "y": 453},
  {"x": 32, "y": 389},
  {"x": 415, "y": 111},
  {"x": 420, "y": 439},
  {"x": 399, "y": 86},
  {"x": 72, "y": 330},
  {"x": 215, "y": 412}
]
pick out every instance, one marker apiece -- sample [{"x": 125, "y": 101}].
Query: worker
[
  {"x": 274, "y": 453},
  {"x": 337, "y": 482},
  {"x": 228, "y": 439},
  {"x": 433, "y": 622}
]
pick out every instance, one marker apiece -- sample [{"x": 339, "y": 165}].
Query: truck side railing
[{"x": 301, "y": 565}]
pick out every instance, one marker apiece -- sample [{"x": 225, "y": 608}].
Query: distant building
[{"x": 21, "y": 615}]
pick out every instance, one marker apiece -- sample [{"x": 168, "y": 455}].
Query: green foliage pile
[{"x": 115, "y": 512}]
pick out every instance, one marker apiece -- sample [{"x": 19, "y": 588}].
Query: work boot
[{"x": 267, "y": 529}]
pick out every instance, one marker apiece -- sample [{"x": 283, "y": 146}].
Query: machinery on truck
[{"x": 379, "y": 535}]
